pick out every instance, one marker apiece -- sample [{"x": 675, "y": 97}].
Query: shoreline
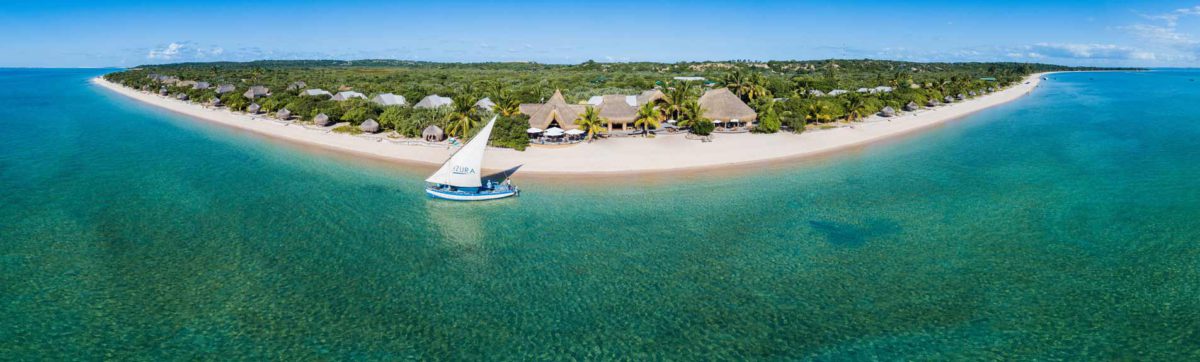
[{"x": 613, "y": 157}]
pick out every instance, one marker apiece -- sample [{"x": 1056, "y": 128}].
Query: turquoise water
[{"x": 1060, "y": 226}]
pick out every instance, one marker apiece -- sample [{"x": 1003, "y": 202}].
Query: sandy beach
[{"x": 613, "y": 156}]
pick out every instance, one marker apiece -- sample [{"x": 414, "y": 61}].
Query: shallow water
[{"x": 1062, "y": 225}]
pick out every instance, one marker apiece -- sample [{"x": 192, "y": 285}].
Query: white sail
[{"x": 464, "y": 167}]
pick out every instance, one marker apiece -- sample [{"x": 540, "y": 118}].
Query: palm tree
[
  {"x": 591, "y": 122},
  {"x": 856, "y": 108},
  {"x": 819, "y": 112},
  {"x": 507, "y": 106},
  {"x": 691, "y": 114},
  {"x": 676, "y": 96},
  {"x": 647, "y": 117},
  {"x": 462, "y": 119}
]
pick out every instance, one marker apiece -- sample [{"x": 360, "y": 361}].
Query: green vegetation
[{"x": 782, "y": 92}]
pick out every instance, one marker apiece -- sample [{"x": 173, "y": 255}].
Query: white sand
[{"x": 613, "y": 155}]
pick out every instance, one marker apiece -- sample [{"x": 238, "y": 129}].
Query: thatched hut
[
  {"x": 961, "y": 97},
  {"x": 616, "y": 109},
  {"x": 556, "y": 112},
  {"x": 433, "y": 134},
  {"x": 163, "y": 91},
  {"x": 837, "y": 92},
  {"x": 225, "y": 88},
  {"x": 932, "y": 103},
  {"x": 911, "y": 106},
  {"x": 972, "y": 93},
  {"x": 181, "y": 96},
  {"x": 321, "y": 120},
  {"x": 256, "y": 92},
  {"x": 816, "y": 93},
  {"x": 948, "y": 100},
  {"x": 297, "y": 85},
  {"x": 434, "y": 101},
  {"x": 283, "y": 114},
  {"x": 388, "y": 99},
  {"x": 216, "y": 102},
  {"x": 201, "y": 85},
  {"x": 253, "y": 108},
  {"x": 887, "y": 112},
  {"x": 485, "y": 104},
  {"x": 369, "y": 126},
  {"x": 722, "y": 105},
  {"x": 653, "y": 95},
  {"x": 347, "y": 95}
]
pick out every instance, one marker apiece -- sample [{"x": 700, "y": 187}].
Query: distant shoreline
[{"x": 667, "y": 153}]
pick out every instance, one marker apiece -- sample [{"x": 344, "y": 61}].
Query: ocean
[{"x": 1063, "y": 225}]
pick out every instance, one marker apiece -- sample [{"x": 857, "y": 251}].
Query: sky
[{"x": 103, "y": 33}]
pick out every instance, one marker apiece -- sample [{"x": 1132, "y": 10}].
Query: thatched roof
[
  {"x": 485, "y": 103},
  {"x": 163, "y": 91},
  {"x": 321, "y": 120},
  {"x": 932, "y": 103},
  {"x": 961, "y": 96},
  {"x": 201, "y": 85},
  {"x": 225, "y": 88},
  {"x": 616, "y": 109},
  {"x": 253, "y": 108},
  {"x": 434, "y": 101},
  {"x": 911, "y": 106},
  {"x": 433, "y": 133},
  {"x": 972, "y": 93},
  {"x": 887, "y": 112},
  {"x": 296, "y": 85},
  {"x": 837, "y": 92},
  {"x": 721, "y": 104},
  {"x": 182, "y": 96},
  {"x": 555, "y": 109},
  {"x": 283, "y": 114},
  {"x": 369, "y": 126},
  {"x": 346, "y": 95},
  {"x": 948, "y": 99},
  {"x": 217, "y": 102},
  {"x": 316, "y": 92},
  {"x": 388, "y": 99},
  {"x": 650, "y": 96},
  {"x": 256, "y": 91}
]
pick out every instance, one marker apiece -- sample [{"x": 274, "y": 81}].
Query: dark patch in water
[{"x": 852, "y": 235}]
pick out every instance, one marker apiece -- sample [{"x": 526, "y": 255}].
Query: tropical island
[{"x": 620, "y": 117}]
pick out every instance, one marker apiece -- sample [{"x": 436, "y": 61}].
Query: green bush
[{"x": 702, "y": 127}]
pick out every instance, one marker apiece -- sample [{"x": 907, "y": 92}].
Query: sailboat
[{"x": 459, "y": 178}]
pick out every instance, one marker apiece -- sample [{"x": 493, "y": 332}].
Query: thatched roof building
[
  {"x": 556, "y": 112},
  {"x": 225, "y": 88},
  {"x": 887, "y": 112},
  {"x": 296, "y": 85},
  {"x": 721, "y": 104},
  {"x": 181, "y": 96},
  {"x": 948, "y": 99},
  {"x": 253, "y": 108},
  {"x": 911, "y": 106},
  {"x": 837, "y": 92},
  {"x": 616, "y": 109},
  {"x": 433, "y": 134},
  {"x": 315, "y": 92},
  {"x": 972, "y": 93},
  {"x": 256, "y": 91},
  {"x": 201, "y": 85},
  {"x": 163, "y": 91},
  {"x": 653, "y": 95},
  {"x": 216, "y": 102},
  {"x": 816, "y": 93},
  {"x": 434, "y": 101},
  {"x": 485, "y": 104},
  {"x": 321, "y": 120},
  {"x": 283, "y": 114},
  {"x": 388, "y": 99},
  {"x": 347, "y": 95},
  {"x": 961, "y": 97},
  {"x": 932, "y": 103},
  {"x": 369, "y": 126}
]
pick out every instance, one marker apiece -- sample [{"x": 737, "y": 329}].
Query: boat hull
[{"x": 466, "y": 196}]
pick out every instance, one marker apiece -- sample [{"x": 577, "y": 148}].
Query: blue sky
[{"x": 127, "y": 33}]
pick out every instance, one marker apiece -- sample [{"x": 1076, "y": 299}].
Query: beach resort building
[
  {"x": 201, "y": 85},
  {"x": 434, "y": 101},
  {"x": 346, "y": 95},
  {"x": 485, "y": 104},
  {"x": 556, "y": 112},
  {"x": 726, "y": 109},
  {"x": 225, "y": 88},
  {"x": 388, "y": 99},
  {"x": 296, "y": 86},
  {"x": 618, "y": 110},
  {"x": 315, "y": 92},
  {"x": 256, "y": 92}
]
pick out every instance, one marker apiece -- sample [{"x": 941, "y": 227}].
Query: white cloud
[
  {"x": 168, "y": 53},
  {"x": 1089, "y": 51}
]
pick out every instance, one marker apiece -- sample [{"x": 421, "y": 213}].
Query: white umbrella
[
  {"x": 533, "y": 130},
  {"x": 735, "y": 120},
  {"x": 717, "y": 121},
  {"x": 574, "y": 132},
  {"x": 671, "y": 121},
  {"x": 554, "y": 132}
]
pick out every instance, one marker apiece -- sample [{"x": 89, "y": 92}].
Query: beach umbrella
[
  {"x": 717, "y": 121},
  {"x": 321, "y": 120},
  {"x": 911, "y": 106},
  {"x": 671, "y": 121},
  {"x": 533, "y": 130},
  {"x": 283, "y": 114},
  {"x": 887, "y": 112},
  {"x": 574, "y": 132},
  {"x": 433, "y": 134},
  {"x": 554, "y": 132}
]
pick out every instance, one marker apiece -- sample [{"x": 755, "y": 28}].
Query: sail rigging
[{"x": 464, "y": 167}]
